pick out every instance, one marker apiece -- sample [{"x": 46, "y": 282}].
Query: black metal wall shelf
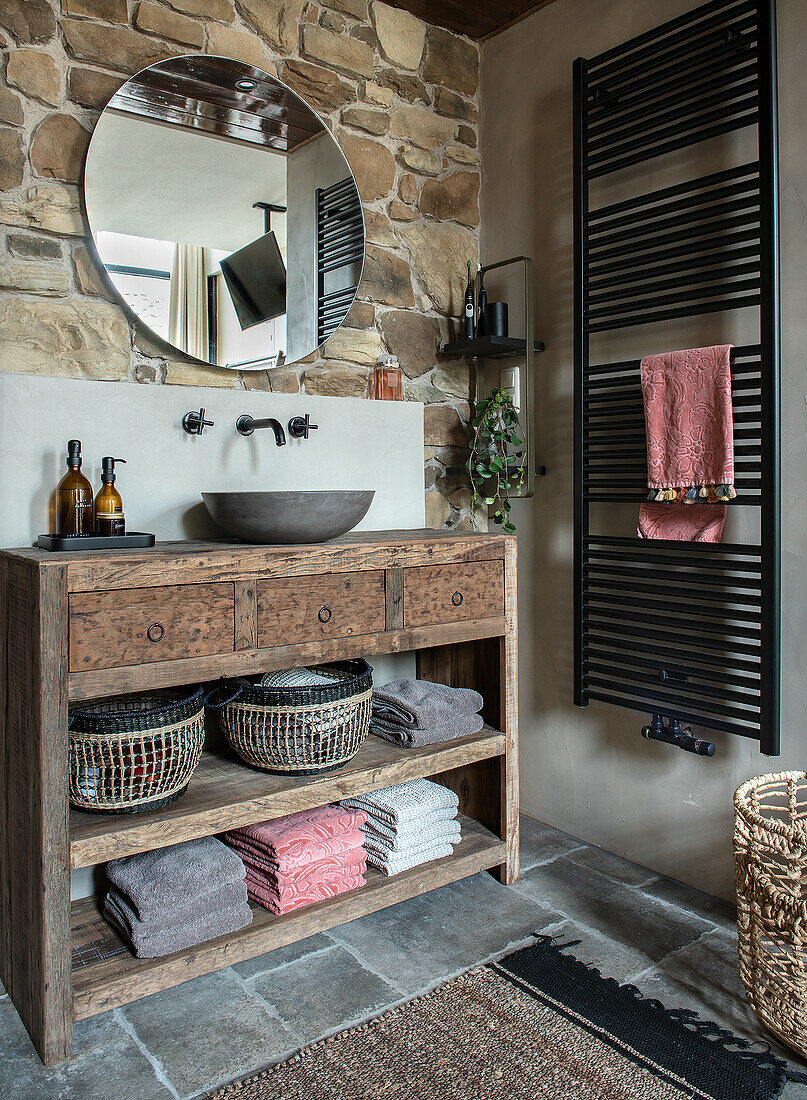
[
  {"x": 502, "y": 347},
  {"x": 490, "y": 347},
  {"x": 686, "y": 630}
]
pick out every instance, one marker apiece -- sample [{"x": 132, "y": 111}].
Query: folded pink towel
[
  {"x": 293, "y": 836},
  {"x": 263, "y": 895},
  {"x": 356, "y": 866},
  {"x": 324, "y": 849},
  {"x": 328, "y": 867},
  {"x": 698, "y": 523}
]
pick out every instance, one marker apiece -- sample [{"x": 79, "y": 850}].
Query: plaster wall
[{"x": 588, "y": 771}]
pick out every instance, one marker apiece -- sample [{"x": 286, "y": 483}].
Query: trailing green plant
[{"x": 497, "y": 471}]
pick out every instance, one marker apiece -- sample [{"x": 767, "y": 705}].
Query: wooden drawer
[
  {"x": 435, "y": 594},
  {"x": 305, "y": 609},
  {"x": 140, "y": 625}
]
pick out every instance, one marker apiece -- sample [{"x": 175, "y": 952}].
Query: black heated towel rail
[
  {"x": 685, "y": 630},
  {"x": 340, "y": 253}
]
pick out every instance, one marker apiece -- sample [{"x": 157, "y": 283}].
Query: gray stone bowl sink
[{"x": 289, "y": 516}]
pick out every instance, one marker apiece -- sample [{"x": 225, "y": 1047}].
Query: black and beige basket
[
  {"x": 770, "y": 855},
  {"x": 298, "y": 730},
  {"x": 135, "y": 753}
]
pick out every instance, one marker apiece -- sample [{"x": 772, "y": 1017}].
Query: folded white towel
[
  {"x": 395, "y": 866},
  {"x": 447, "y": 832},
  {"x": 409, "y": 828},
  {"x": 405, "y": 802}
]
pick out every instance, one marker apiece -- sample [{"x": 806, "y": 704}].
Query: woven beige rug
[{"x": 537, "y": 1025}]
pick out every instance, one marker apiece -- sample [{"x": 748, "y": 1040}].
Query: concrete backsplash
[
  {"x": 401, "y": 97},
  {"x": 588, "y": 771}
]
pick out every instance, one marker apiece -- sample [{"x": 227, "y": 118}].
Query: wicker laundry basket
[
  {"x": 135, "y": 753},
  {"x": 770, "y": 853},
  {"x": 298, "y": 730}
]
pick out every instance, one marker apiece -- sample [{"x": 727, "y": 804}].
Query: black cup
[{"x": 496, "y": 319}]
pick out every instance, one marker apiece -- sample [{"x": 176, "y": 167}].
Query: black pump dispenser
[
  {"x": 74, "y": 497},
  {"x": 109, "y": 517},
  {"x": 108, "y": 469}
]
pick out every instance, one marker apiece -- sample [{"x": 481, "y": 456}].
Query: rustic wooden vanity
[{"x": 95, "y": 624}]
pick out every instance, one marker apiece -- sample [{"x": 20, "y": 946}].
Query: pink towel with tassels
[{"x": 690, "y": 444}]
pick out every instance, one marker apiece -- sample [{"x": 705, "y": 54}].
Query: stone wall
[{"x": 401, "y": 97}]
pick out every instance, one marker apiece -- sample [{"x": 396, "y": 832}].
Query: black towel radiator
[
  {"x": 340, "y": 253},
  {"x": 688, "y": 631}
]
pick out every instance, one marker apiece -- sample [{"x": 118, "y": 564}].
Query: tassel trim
[
  {"x": 763, "y": 1056},
  {"x": 694, "y": 494}
]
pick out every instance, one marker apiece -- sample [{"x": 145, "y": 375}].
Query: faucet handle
[
  {"x": 194, "y": 423},
  {"x": 300, "y": 426}
]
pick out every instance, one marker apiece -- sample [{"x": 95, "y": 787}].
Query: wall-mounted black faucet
[
  {"x": 300, "y": 426},
  {"x": 246, "y": 425},
  {"x": 194, "y": 423}
]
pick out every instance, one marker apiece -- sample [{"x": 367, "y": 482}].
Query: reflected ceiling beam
[
  {"x": 203, "y": 94},
  {"x": 477, "y": 18}
]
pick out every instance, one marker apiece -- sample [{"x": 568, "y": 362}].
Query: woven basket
[
  {"x": 298, "y": 730},
  {"x": 135, "y": 753},
  {"x": 770, "y": 854}
]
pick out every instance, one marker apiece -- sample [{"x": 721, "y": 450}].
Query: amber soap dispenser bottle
[
  {"x": 109, "y": 516},
  {"x": 74, "y": 497}
]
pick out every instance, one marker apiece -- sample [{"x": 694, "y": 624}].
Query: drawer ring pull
[
  {"x": 324, "y": 614},
  {"x": 155, "y": 632},
  {"x": 456, "y": 599}
]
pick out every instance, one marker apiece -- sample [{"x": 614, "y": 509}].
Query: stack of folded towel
[
  {"x": 305, "y": 857},
  {"x": 162, "y": 901},
  {"x": 412, "y": 713},
  {"x": 408, "y": 824}
]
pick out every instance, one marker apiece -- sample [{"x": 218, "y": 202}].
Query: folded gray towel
[
  {"x": 169, "y": 878},
  {"x": 227, "y": 910},
  {"x": 449, "y": 729},
  {"x": 422, "y": 705},
  {"x": 223, "y": 897}
]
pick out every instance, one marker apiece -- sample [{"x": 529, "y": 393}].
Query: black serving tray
[{"x": 95, "y": 542}]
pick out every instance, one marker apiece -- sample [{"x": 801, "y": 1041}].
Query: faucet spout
[{"x": 246, "y": 425}]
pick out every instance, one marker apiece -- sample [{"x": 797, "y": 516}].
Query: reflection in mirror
[{"x": 225, "y": 212}]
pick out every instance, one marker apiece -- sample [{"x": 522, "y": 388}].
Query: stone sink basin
[{"x": 289, "y": 516}]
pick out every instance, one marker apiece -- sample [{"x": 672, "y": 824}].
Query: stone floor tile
[
  {"x": 322, "y": 992},
  {"x": 613, "y": 960},
  {"x": 104, "y": 1053},
  {"x": 209, "y": 1030},
  {"x": 540, "y": 843},
  {"x": 620, "y": 913},
  {"x": 419, "y": 942},
  {"x": 283, "y": 955},
  {"x": 794, "y": 1091},
  {"x": 705, "y": 977},
  {"x": 614, "y": 867},
  {"x": 713, "y": 909}
]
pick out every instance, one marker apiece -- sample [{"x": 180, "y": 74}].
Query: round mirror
[{"x": 225, "y": 213}]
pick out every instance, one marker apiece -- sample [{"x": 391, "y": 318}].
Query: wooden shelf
[
  {"x": 108, "y": 975},
  {"x": 225, "y": 793}
]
